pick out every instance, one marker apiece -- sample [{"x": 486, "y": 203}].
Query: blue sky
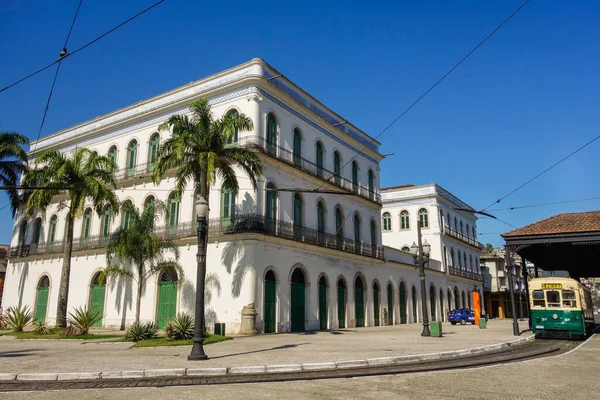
[{"x": 524, "y": 100}]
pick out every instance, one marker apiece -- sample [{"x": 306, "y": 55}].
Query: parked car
[{"x": 463, "y": 316}]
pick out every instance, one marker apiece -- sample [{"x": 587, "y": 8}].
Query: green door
[
  {"x": 322, "y": 304},
  {"x": 167, "y": 302},
  {"x": 390, "y": 300},
  {"x": 432, "y": 302},
  {"x": 270, "y": 303},
  {"x": 97, "y": 303},
  {"x": 414, "y": 304},
  {"x": 403, "y": 304},
  {"x": 297, "y": 306},
  {"x": 341, "y": 302},
  {"x": 376, "y": 304},
  {"x": 42, "y": 304},
  {"x": 359, "y": 304}
]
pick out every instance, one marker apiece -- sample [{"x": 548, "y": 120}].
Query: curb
[{"x": 259, "y": 369}]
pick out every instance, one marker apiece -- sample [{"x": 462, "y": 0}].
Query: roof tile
[{"x": 561, "y": 223}]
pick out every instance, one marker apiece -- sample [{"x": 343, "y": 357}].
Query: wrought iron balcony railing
[
  {"x": 287, "y": 156},
  {"x": 463, "y": 238},
  {"x": 244, "y": 223},
  {"x": 465, "y": 274}
]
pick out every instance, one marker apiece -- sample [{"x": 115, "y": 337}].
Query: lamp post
[
  {"x": 509, "y": 270},
  {"x": 420, "y": 255},
  {"x": 197, "y": 353}
]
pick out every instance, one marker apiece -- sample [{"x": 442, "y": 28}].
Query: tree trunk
[
  {"x": 138, "y": 300},
  {"x": 63, "y": 290}
]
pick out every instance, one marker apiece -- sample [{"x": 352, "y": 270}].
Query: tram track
[{"x": 522, "y": 352}]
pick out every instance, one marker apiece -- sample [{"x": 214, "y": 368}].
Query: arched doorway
[
  {"x": 97, "y": 295},
  {"x": 167, "y": 297},
  {"x": 403, "y": 316},
  {"x": 449, "y": 298},
  {"x": 464, "y": 301},
  {"x": 441, "y": 305},
  {"x": 432, "y": 302},
  {"x": 270, "y": 302},
  {"x": 359, "y": 302},
  {"x": 41, "y": 304},
  {"x": 341, "y": 303},
  {"x": 414, "y": 304},
  {"x": 456, "y": 298},
  {"x": 376, "y": 303},
  {"x": 322, "y": 303},
  {"x": 390, "y": 302},
  {"x": 297, "y": 303}
]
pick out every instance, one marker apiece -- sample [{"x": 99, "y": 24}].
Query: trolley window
[
  {"x": 553, "y": 298},
  {"x": 538, "y": 298},
  {"x": 569, "y": 298}
]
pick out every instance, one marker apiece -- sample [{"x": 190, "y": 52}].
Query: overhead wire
[
  {"x": 543, "y": 172},
  {"x": 544, "y": 204},
  {"x": 82, "y": 47}
]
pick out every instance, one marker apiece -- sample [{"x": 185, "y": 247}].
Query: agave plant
[
  {"x": 182, "y": 326},
  {"x": 84, "y": 319},
  {"x": 40, "y": 328},
  {"x": 141, "y": 331},
  {"x": 18, "y": 317}
]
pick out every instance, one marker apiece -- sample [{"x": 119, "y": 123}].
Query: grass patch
[
  {"x": 162, "y": 341},
  {"x": 55, "y": 334}
]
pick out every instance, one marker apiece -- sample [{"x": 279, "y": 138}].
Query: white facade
[{"x": 256, "y": 238}]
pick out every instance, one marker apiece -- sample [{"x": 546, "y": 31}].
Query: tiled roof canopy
[{"x": 561, "y": 223}]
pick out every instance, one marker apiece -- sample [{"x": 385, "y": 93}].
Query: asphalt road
[{"x": 574, "y": 376}]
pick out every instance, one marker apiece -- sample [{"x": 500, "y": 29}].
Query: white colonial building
[
  {"x": 305, "y": 260},
  {"x": 447, "y": 226}
]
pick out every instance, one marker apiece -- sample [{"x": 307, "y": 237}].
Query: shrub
[
  {"x": 40, "y": 328},
  {"x": 3, "y": 323},
  {"x": 182, "y": 326},
  {"x": 17, "y": 318},
  {"x": 169, "y": 331},
  {"x": 84, "y": 319},
  {"x": 141, "y": 331}
]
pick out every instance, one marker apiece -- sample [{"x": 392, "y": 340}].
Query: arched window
[
  {"x": 404, "y": 221},
  {"x": 297, "y": 147},
  {"x": 445, "y": 256},
  {"x": 339, "y": 225},
  {"x": 37, "y": 230},
  {"x": 298, "y": 215},
  {"x": 371, "y": 178},
  {"x": 468, "y": 231},
  {"x": 271, "y": 134},
  {"x": 424, "y": 218},
  {"x": 387, "y": 222},
  {"x": 153, "y": 151},
  {"x": 149, "y": 204},
  {"x": 52, "y": 229},
  {"x": 455, "y": 224},
  {"x": 227, "y": 207},
  {"x": 471, "y": 261},
  {"x": 131, "y": 157},
  {"x": 373, "y": 233},
  {"x": 452, "y": 260},
  {"x": 233, "y": 136},
  {"x": 357, "y": 235},
  {"x": 86, "y": 227},
  {"x": 461, "y": 227},
  {"x": 105, "y": 228},
  {"x": 127, "y": 215},
  {"x": 354, "y": 176},
  {"x": 22, "y": 232},
  {"x": 459, "y": 259},
  {"x": 112, "y": 155},
  {"x": 319, "y": 158},
  {"x": 449, "y": 221},
  {"x": 320, "y": 217},
  {"x": 337, "y": 168},
  {"x": 173, "y": 216},
  {"x": 465, "y": 259},
  {"x": 271, "y": 203},
  {"x": 406, "y": 249},
  {"x": 474, "y": 233}
]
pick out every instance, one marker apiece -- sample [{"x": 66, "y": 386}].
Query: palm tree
[
  {"x": 141, "y": 248},
  {"x": 13, "y": 162},
  {"x": 82, "y": 176},
  {"x": 199, "y": 150}
]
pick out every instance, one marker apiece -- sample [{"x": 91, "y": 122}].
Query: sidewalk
[{"x": 60, "y": 356}]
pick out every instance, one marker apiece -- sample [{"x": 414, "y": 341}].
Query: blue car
[{"x": 463, "y": 316}]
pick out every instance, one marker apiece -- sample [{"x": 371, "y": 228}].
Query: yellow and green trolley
[{"x": 560, "y": 307}]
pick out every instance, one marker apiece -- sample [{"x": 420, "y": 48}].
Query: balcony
[
  {"x": 245, "y": 223},
  {"x": 288, "y": 157},
  {"x": 465, "y": 274},
  {"x": 463, "y": 238}
]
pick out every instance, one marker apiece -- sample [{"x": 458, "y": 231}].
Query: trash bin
[
  {"x": 435, "y": 328},
  {"x": 482, "y": 322},
  {"x": 220, "y": 328}
]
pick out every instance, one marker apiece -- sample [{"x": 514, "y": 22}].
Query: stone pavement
[{"x": 60, "y": 356}]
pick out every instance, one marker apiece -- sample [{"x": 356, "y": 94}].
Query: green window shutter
[
  {"x": 359, "y": 306},
  {"x": 297, "y": 148},
  {"x": 371, "y": 185},
  {"x": 355, "y": 176},
  {"x": 270, "y": 303},
  {"x": 131, "y": 158},
  {"x": 432, "y": 302},
  {"x": 390, "y": 301},
  {"x": 414, "y": 304},
  {"x": 41, "y": 304},
  {"x": 373, "y": 234},
  {"x": 320, "y": 218},
  {"x": 153, "y": 153},
  {"x": 376, "y": 305},
  {"x": 173, "y": 214},
  {"x": 341, "y": 305},
  {"x": 52, "y": 233},
  {"x": 319, "y": 159},
  {"x": 339, "y": 221},
  {"x": 271, "y": 202},
  {"x": 271, "y": 134},
  {"x": 337, "y": 168},
  {"x": 356, "y": 229},
  {"x": 97, "y": 296},
  {"x": 322, "y": 304},
  {"x": 112, "y": 154}
]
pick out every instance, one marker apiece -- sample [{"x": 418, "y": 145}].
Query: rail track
[{"x": 530, "y": 350}]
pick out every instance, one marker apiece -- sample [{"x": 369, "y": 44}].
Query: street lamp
[
  {"x": 201, "y": 207},
  {"x": 509, "y": 270},
  {"x": 420, "y": 255}
]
